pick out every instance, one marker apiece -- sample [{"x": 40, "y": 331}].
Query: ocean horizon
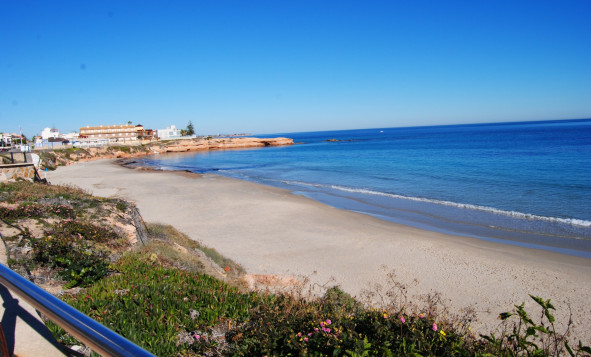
[{"x": 519, "y": 183}]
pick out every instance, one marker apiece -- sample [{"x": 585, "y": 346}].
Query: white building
[
  {"x": 5, "y": 139},
  {"x": 70, "y": 136},
  {"x": 170, "y": 132},
  {"x": 50, "y": 133}
]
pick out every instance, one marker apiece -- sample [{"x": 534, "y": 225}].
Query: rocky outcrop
[
  {"x": 222, "y": 144},
  {"x": 56, "y": 158}
]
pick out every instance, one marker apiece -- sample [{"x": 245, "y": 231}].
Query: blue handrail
[{"x": 94, "y": 335}]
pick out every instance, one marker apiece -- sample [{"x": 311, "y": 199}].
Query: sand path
[{"x": 271, "y": 231}]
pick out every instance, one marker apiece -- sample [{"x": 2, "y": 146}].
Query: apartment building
[{"x": 119, "y": 132}]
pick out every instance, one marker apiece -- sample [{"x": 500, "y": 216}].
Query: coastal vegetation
[{"x": 175, "y": 297}]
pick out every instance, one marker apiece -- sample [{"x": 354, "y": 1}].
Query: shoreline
[
  {"x": 272, "y": 231},
  {"x": 438, "y": 217}
]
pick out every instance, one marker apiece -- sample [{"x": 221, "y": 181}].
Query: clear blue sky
[{"x": 298, "y": 65}]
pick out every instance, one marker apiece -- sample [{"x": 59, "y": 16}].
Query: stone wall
[{"x": 24, "y": 171}]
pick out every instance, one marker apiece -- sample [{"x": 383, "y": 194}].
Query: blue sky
[{"x": 286, "y": 66}]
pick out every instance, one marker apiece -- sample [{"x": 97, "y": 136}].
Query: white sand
[{"x": 271, "y": 231}]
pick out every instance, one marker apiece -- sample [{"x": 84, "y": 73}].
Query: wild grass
[
  {"x": 164, "y": 239},
  {"x": 24, "y": 191}
]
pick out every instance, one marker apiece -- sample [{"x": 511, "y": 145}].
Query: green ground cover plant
[
  {"x": 76, "y": 261},
  {"x": 165, "y": 310}
]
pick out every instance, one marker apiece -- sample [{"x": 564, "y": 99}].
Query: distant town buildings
[
  {"x": 52, "y": 138},
  {"x": 8, "y": 139},
  {"x": 95, "y": 136}
]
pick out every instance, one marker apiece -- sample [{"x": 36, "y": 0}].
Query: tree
[{"x": 190, "y": 130}]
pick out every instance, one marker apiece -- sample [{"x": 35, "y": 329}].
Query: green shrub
[
  {"x": 85, "y": 230},
  {"x": 121, "y": 206},
  {"x": 34, "y": 210},
  {"x": 69, "y": 247},
  {"x": 527, "y": 337},
  {"x": 76, "y": 261},
  {"x": 11, "y": 214},
  {"x": 336, "y": 325}
]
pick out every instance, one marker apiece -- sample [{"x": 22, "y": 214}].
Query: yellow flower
[{"x": 442, "y": 333}]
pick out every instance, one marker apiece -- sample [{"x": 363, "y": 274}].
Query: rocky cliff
[
  {"x": 52, "y": 159},
  {"x": 221, "y": 144}
]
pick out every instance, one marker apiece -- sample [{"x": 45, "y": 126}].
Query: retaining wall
[{"x": 25, "y": 171}]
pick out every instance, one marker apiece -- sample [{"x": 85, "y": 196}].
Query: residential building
[
  {"x": 170, "y": 132},
  {"x": 5, "y": 140},
  {"x": 143, "y": 133},
  {"x": 119, "y": 132},
  {"x": 70, "y": 136},
  {"x": 50, "y": 133}
]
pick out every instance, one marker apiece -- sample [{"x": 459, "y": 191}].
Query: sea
[{"x": 519, "y": 183}]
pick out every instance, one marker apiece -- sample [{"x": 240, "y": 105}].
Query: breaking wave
[{"x": 513, "y": 214}]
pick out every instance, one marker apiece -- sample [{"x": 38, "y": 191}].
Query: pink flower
[
  {"x": 196, "y": 337},
  {"x": 402, "y": 319},
  {"x": 422, "y": 316},
  {"x": 434, "y": 327},
  {"x": 299, "y": 334},
  {"x": 310, "y": 334},
  {"x": 328, "y": 322},
  {"x": 306, "y": 339}
]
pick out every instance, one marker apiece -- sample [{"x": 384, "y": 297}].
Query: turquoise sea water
[{"x": 526, "y": 183}]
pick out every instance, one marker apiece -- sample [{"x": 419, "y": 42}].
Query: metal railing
[
  {"x": 94, "y": 335},
  {"x": 12, "y": 158}
]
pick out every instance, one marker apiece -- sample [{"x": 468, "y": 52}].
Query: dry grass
[{"x": 178, "y": 250}]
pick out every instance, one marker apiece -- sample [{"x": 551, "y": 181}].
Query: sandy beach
[{"x": 271, "y": 231}]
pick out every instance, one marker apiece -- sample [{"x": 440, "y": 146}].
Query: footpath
[{"x": 25, "y": 333}]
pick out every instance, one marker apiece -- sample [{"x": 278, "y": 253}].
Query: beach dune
[{"x": 272, "y": 231}]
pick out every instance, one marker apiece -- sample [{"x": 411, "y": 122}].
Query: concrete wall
[{"x": 24, "y": 171}]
